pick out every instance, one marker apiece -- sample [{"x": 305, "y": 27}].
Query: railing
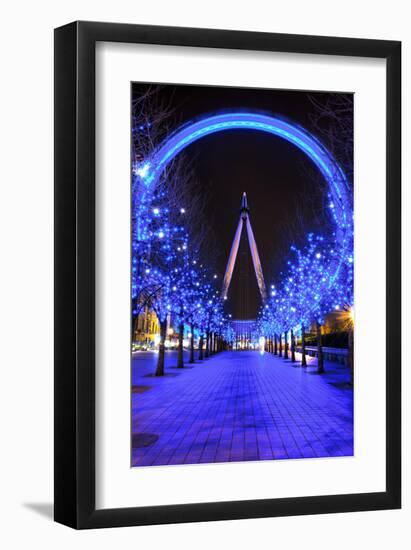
[{"x": 336, "y": 355}]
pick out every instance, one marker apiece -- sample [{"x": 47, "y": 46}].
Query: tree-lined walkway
[{"x": 238, "y": 406}]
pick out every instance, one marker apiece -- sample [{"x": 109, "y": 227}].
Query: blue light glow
[
  {"x": 150, "y": 170},
  {"x": 328, "y": 166}
]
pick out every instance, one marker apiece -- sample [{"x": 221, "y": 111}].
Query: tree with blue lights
[
  {"x": 166, "y": 265},
  {"x": 317, "y": 281},
  {"x": 194, "y": 300},
  {"x": 161, "y": 259},
  {"x": 212, "y": 314},
  {"x": 202, "y": 315},
  {"x": 166, "y": 235},
  {"x": 166, "y": 271}
]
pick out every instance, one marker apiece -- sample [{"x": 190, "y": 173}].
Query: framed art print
[{"x": 227, "y": 244}]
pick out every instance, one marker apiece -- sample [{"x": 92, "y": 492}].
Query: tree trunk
[
  {"x": 207, "y": 350},
  {"x": 280, "y": 346},
  {"x": 161, "y": 348},
  {"x": 303, "y": 357},
  {"x": 135, "y": 329},
  {"x": 191, "y": 360},
  {"x": 180, "y": 355},
  {"x": 200, "y": 347},
  {"x": 319, "y": 349},
  {"x": 351, "y": 353},
  {"x": 292, "y": 346},
  {"x": 275, "y": 344},
  {"x": 286, "y": 344}
]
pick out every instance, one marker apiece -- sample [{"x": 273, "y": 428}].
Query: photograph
[
  {"x": 242, "y": 285},
  {"x": 207, "y": 232}
]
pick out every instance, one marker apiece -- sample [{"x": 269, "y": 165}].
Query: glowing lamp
[{"x": 143, "y": 170}]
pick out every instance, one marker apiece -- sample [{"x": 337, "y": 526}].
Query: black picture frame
[{"x": 74, "y": 430}]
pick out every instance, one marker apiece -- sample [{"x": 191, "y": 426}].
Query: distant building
[
  {"x": 244, "y": 334},
  {"x": 146, "y": 327}
]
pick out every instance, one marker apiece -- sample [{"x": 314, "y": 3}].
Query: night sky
[{"x": 270, "y": 170}]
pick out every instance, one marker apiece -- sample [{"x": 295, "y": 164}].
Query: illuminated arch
[{"x": 340, "y": 204}]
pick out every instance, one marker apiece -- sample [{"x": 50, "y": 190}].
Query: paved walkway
[{"x": 238, "y": 406}]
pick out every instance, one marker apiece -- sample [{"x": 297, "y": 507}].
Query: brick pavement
[{"x": 238, "y": 406}]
